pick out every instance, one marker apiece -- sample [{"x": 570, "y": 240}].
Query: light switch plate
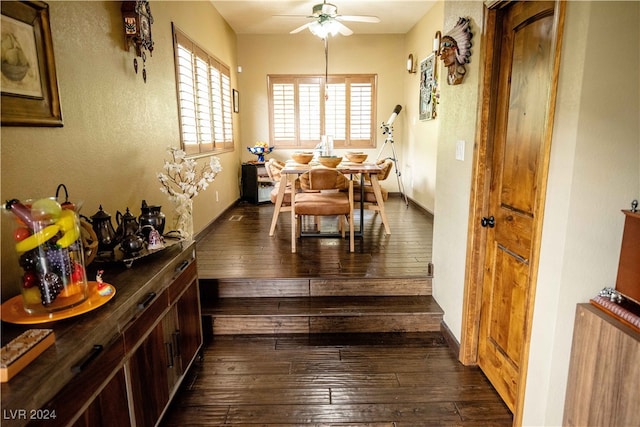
[{"x": 460, "y": 150}]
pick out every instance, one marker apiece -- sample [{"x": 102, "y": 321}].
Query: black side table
[{"x": 256, "y": 184}]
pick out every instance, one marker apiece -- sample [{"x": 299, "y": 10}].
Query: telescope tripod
[{"x": 388, "y": 130}]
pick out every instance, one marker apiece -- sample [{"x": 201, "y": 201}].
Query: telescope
[
  {"x": 393, "y": 116},
  {"x": 388, "y": 130}
]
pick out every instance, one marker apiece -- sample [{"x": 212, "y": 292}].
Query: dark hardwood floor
[
  {"x": 403, "y": 380},
  {"x": 328, "y": 379},
  {"x": 239, "y": 245}
]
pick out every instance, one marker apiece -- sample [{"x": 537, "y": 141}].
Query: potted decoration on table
[
  {"x": 260, "y": 149},
  {"x": 182, "y": 182}
]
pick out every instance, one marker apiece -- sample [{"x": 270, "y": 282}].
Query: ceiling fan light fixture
[{"x": 324, "y": 29}]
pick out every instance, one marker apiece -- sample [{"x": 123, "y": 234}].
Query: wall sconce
[
  {"x": 411, "y": 64},
  {"x": 436, "y": 43}
]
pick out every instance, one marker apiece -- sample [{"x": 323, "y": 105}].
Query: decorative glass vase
[
  {"x": 50, "y": 252},
  {"x": 184, "y": 218}
]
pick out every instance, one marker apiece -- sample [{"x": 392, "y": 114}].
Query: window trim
[
  {"x": 296, "y": 80},
  {"x": 220, "y": 105}
]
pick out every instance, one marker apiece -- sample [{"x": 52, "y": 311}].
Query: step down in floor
[
  {"x": 212, "y": 289},
  {"x": 322, "y": 314}
]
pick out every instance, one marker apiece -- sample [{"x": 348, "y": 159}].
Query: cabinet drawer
[
  {"x": 94, "y": 371},
  {"x": 152, "y": 308},
  {"x": 188, "y": 275}
]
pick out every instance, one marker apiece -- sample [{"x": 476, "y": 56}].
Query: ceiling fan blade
[
  {"x": 300, "y": 28},
  {"x": 358, "y": 18},
  {"x": 293, "y": 16},
  {"x": 343, "y": 29}
]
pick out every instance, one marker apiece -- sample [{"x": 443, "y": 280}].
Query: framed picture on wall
[
  {"x": 428, "y": 84},
  {"x": 236, "y": 101},
  {"x": 28, "y": 73}
]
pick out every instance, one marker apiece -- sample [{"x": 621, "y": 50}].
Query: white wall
[{"x": 594, "y": 173}]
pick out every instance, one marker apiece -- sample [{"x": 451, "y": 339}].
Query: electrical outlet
[
  {"x": 217, "y": 199},
  {"x": 460, "y": 150}
]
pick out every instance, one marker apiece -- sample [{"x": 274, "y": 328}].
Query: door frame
[{"x": 480, "y": 183}]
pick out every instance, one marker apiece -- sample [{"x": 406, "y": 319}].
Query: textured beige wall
[
  {"x": 421, "y": 149},
  {"x": 457, "y": 116},
  {"x": 116, "y": 127},
  {"x": 303, "y": 53}
]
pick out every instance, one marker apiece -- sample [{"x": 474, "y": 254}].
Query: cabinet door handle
[
  {"x": 169, "y": 354},
  {"x": 144, "y": 302},
  {"x": 93, "y": 353},
  {"x": 176, "y": 342},
  {"x": 182, "y": 266}
]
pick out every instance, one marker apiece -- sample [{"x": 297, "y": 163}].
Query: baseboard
[
  {"x": 451, "y": 340},
  {"x": 419, "y": 207},
  {"x": 413, "y": 202}
]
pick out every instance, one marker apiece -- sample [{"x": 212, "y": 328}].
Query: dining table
[{"x": 293, "y": 170}]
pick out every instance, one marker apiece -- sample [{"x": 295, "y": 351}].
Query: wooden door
[
  {"x": 521, "y": 138},
  {"x": 148, "y": 378},
  {"x": 190, "y": 323},
  {"x": 170, "y": 331}
]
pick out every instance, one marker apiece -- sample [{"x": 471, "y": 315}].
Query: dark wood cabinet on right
[
  {"x": 628, "y": 280},
  {"x": 604, "y": 371}
]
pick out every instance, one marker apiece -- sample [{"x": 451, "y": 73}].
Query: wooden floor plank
[
  {"x": 225, "y": 397},
  {"x": 269, "y": 381},
  {"x": 300, "y": 415},
  {"x": 435, "y": 393}
]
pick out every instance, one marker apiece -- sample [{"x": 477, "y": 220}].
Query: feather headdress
[{"x": 461, "y": 34}]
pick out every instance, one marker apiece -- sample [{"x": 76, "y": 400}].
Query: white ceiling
[{"x": 257, "y": 17}]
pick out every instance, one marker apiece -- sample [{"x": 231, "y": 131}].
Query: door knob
[{"x": 488, "y": 222}]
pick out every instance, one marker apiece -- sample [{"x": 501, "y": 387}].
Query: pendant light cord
[{"x": 326, "y": 68}]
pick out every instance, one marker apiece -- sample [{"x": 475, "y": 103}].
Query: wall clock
[{"x": 137, "y": 20}]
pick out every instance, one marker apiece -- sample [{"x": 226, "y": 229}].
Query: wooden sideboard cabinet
[
  {"x": 160, "y": 361},
  {"x": 122, "y": 364},
  {"x": 256, "y": 184},
  {"x": 603, "y": 386}
]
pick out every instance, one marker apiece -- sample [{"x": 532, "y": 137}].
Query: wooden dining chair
[
  {"x": 375, "y": 196},
  {"x": 274, "y": 167},
  {"x": 321, "y": 195}
]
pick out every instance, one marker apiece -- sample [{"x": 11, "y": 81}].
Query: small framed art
[
  {"x": 428, "y": 88},
  {"x": 28, "y": 76}
]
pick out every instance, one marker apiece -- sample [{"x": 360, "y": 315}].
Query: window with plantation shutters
[
  {"x": 204, "y": 98},
  {"x": 303, "y": 108}
]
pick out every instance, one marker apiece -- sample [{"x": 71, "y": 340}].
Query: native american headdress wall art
[{"x": 455, "y": 50}]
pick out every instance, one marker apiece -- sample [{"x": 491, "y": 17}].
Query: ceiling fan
[{"x": 326, "y": 20}]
